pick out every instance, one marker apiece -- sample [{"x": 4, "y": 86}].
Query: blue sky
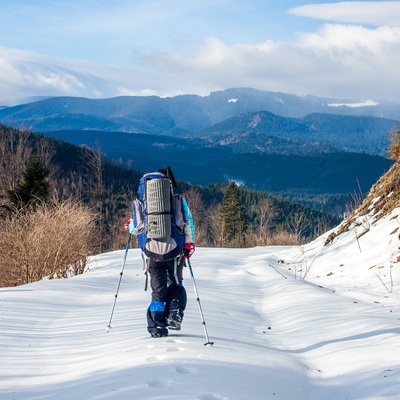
[{"x": 107, "y": 48}]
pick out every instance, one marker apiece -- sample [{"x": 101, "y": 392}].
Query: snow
[
  {"x": 292, "y": 323},
  {"x": 363, "y": 103}
]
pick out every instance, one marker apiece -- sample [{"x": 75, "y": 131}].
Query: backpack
[{"x": 158, "y": 216}]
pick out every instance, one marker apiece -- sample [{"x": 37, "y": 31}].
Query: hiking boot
[
  {"x": 174, "y": 320},
  {"x": 160, "y": 332}
]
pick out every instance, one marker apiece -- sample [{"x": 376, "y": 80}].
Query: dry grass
[
  {"x": 284, "y": 238},
  {"x": 280, "y": 238},
  {"x": 382, "y": 199},
  {"x": 49, "y": 241}
]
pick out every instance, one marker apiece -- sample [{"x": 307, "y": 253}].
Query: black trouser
[{"x": 167, "y": 292}]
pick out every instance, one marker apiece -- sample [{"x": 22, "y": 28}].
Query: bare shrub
[
  {"x": 280, "y": 238},
  {"x": 117, "y": 235},
  {"x": 283, "y": 238},
  {"x": 394, "y": 148},
  {"x": 214, "y": 227},
  {"x": 15, "y": 151},
  {"x": 254, "y": 239},
  {"x": 94, "y": 165},
  {"x": 197, "y": 208},
  {"x": 298, "y": 225},
  {"x": 51, "y": 241},
  {"x": 267, "y": 212}
]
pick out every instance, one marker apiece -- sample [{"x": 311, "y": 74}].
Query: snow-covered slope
[{"x": 332, "y": 335}]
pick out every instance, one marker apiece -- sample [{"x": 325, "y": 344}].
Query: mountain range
[
  {"x": 180, "y": 114},
  {"x": 276, "y": 142}
]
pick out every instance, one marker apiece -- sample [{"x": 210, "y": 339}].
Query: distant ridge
[{"x": 179, "y": 114}]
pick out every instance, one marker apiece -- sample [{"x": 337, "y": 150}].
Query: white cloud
[
  {"x": 383, "y": 13},
  {"x": 342, "y": 61},
  {"x": 353, "y": 38},
  {"x": 335, "y": 60},
  {"x": 26, "y": 73}
]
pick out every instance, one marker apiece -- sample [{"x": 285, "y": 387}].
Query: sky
[
  {"x": 109, "y": 48},
  {"x": 310, "y": 322}
]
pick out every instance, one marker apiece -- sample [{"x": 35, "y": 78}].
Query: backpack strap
[
  {"x": 170, "y": 176},
  {"x": 176, "y": 270},
  {"x": 146, "y": 265}
]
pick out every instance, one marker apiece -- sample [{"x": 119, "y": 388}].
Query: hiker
[{"x": 164, "y": 228}]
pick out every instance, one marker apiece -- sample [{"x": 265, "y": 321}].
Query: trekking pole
[
  {"x": 108, "y": 327},
  {"x": 208, "y": 343}
]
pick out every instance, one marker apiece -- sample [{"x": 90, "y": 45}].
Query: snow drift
[{"x": 319, "y": 321}]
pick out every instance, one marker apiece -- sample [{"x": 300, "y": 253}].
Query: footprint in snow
[
  {"x": 184, "y": 370},
  {"x": 159, "y": 384},
  {"x": 172, "y": 339},
  {"x": 154, "y": 358},
  {"x": 174, "y": 349},
  {"x": 212, "y": 397}
]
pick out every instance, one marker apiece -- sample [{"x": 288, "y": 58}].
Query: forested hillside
[
  {"x": 323, "y": 180},
  {"x": 108, "y": 187},
  {"x": 264, "y": 132}
]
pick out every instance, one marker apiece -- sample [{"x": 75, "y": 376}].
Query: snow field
[{"x": 331, "y": 336}]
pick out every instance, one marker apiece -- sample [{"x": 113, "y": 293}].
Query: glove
[
  {"x": 126, "y": 225},
  {"x": 188, "y": 250}
]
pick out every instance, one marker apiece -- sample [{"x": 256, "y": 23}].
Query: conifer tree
[
  {"x": 233, "y": 217},
  {"x": 34, "y": 187}
]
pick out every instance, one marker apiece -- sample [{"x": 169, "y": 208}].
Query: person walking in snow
[{"x": 164, "y": 227}]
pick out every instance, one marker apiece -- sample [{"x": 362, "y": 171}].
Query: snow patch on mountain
[{"x": 363, "y": 103}]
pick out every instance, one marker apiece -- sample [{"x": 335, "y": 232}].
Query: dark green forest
[{"x": 324, "y": 181}]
